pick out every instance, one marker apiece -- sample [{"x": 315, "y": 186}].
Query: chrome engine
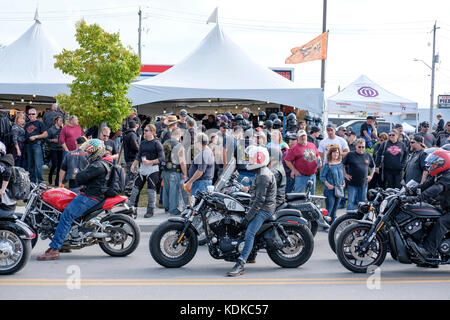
[{"x": 228, "y": 235}]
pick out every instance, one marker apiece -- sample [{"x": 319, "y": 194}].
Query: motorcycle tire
[
  {"x": 120, "y": 236},
  {"x": 338, "y": 225},
  {"x": 21, "y": 251},
  {"x": 291, "y": 257},
  {"x": 347, "y": 244},
  {"x": 162, "y": 240}
]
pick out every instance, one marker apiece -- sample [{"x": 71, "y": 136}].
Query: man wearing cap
[
  {"x": 443, "y": 137},
  {"x": 341, "y": 132},
  {"x": 401, "y": 135},
  {"x": 369, "y": 132},
  {"x": 332, "y": 140},
  {"x": 302, "y": 160},
  {"x": 182, "y": 123},
  {"x": 133, "y": 117},
  {"x": 351, "y": 140},
  {"x": 415, "y": 165},
  {"x": 171, "y": 124},
  {"x": 428, "y": 139}
]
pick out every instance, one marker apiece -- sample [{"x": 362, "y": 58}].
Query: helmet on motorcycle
[
  {"x": 273, "y": 116},
  {"x": 291, "y": 116},
  {"x": 437, "y": 162},
  {"x": 446, "y": 147},
  {"x": 258, "y": 157},
  {"x": 262, "y": 116},
  {"x": 269, "y": 124},
  {"x": 2, "y": 149},
  {"x": 95, "y": 149}
]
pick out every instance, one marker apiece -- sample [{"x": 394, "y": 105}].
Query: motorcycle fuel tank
[{"x": 58, "y": 198}]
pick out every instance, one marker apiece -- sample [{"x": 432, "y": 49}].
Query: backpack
[
  {"x": 19, "y": 184},
  {"x": 115, "y": 180}
]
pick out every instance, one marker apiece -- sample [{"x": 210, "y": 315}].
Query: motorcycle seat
[
  {"x": 295, "y": 196},
  {"x": 111, "y": 202},
  {"x": 92, "y": 212}
]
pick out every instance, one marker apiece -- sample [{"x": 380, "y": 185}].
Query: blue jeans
[
  {"x": 289, "y": 184},
  {"x": 173, "y": 186},
  {"x": 200, "y": 185},
  {"x": 35, "y": 162},
  {"x": 301, "y": 181},
  {"x": 249, "y": 174},
  {"x": 355, "y": 196},
  {"x": 252, "y": 228},
  {"x": 331, "y": 203},
  {"x": 79, "y": 205}
]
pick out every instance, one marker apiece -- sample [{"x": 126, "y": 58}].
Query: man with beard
[{"x": 415, "y": 165}]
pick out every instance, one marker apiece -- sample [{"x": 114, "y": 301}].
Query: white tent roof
[
  {"x": 218, "y": 68},
  {"x": 364, "y": 95},
  {"x": 27, "y": 65}
]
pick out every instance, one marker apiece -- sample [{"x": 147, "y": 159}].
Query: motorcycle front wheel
[
  {"x": 348, "y": 248},
  {"x": 338, "y": 225},
  {"x": 123, "y": 238},
  {"x": 297, "y": 254},
  {"x": 170, "y": 248},
  {"x": 14, "y": 251}
]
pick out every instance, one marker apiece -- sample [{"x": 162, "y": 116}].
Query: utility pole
[
  {"x": 433, "y": 63},
  {"x": 139, "y": 32},
  {"x": 324, "y": 29}
]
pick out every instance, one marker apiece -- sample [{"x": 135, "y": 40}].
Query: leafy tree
[{"x": 103, "y": 69}]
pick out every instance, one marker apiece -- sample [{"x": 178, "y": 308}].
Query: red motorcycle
[{"x": 116, "y": 233}]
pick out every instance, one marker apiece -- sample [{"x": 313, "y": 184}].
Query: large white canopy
[
  {"x": 27, "y": 65},
  {"x": 218, "y": 68},
  {"x": 364, "y": 95}
]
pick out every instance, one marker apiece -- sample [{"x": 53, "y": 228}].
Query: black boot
[{"x": 237, "y": 270}]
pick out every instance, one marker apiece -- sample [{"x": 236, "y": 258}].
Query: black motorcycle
[
  {"x": 287, "y": 239},
  {"x": 15, "y": 244},
  {"x": 365, "y": 244}
]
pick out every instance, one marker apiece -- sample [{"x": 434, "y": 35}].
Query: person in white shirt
[{"x": 332, "y": 140}]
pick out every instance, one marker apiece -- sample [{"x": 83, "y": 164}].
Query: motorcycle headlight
[{"x": 383, "y": 206}]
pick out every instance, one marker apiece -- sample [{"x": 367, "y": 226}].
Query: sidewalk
[{"x": 150, "y": 224}]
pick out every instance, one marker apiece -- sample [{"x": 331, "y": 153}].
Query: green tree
[{"x": 103, "y": 69}]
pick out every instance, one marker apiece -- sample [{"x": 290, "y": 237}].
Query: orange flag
[{"x": 316, "y": 49}]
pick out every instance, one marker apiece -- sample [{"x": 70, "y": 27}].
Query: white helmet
[
  {"x": 258, "y": 157},
  {"x": 2, "y": 149}
]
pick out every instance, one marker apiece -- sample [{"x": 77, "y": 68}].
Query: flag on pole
[
  {"x": 316, "y": 49},
  {"x": 214, "y": 17}
]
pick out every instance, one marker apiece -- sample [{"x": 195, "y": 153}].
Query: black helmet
[
  {"x": 277, "y": 124},
  {"x": 273, "y": 116},
  {"x": 229, "y": 114},
  {"x": 262, "y": 116},
  {"x": 269, "y": 123},
  {"x": 239, "y": 117},
  {"x": 291, "y": 116}
]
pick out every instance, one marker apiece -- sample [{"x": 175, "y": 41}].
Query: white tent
[
  {"x": 364, "y": 95},
  {"x": 218, "y": 68},
  {"x": 27, "y": 65}
]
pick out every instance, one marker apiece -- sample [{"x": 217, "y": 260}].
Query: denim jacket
[{"x": 332, "y": 173}]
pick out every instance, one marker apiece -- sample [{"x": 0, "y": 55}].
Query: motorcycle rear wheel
[
  {"x": 338, "y": 225},
  {"x": 293, "y": 257},
  {"x": 17, "y": 251},
  {"x": 166, "y": 250},
  {"x": 124, "y": 228},
  {"x": 347, "y": 249}
]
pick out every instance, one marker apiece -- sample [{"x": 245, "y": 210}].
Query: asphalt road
[{"x": 91, "y": 274}]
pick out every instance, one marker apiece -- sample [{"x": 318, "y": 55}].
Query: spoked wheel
[
  {"x": 301, "y": 250},
  {"x": 348, "y": 248},
  {"x": 338, "y": 225},
  {"x": 123, "y": 236},
  {"x": 14, "y": 251},
  {"x": 170, "y": 248}
]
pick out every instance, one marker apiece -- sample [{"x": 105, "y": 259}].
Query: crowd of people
[{"x": 177, "y": 155}]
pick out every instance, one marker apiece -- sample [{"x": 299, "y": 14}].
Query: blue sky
[{"x": 377, "y": 38}]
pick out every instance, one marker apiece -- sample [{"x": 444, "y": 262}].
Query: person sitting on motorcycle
[
  {"x": 263, "y": 191},
  {"x": 7, "y": 205},
  {"x": 93, "y": 180},
  {"x": 437, "y": 186}
]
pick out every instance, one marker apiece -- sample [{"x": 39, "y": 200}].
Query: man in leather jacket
[
  {"x": 93, "y": 180},
  {"x": 263, "y": 191},
  {"x": 437, "y": 186}
]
